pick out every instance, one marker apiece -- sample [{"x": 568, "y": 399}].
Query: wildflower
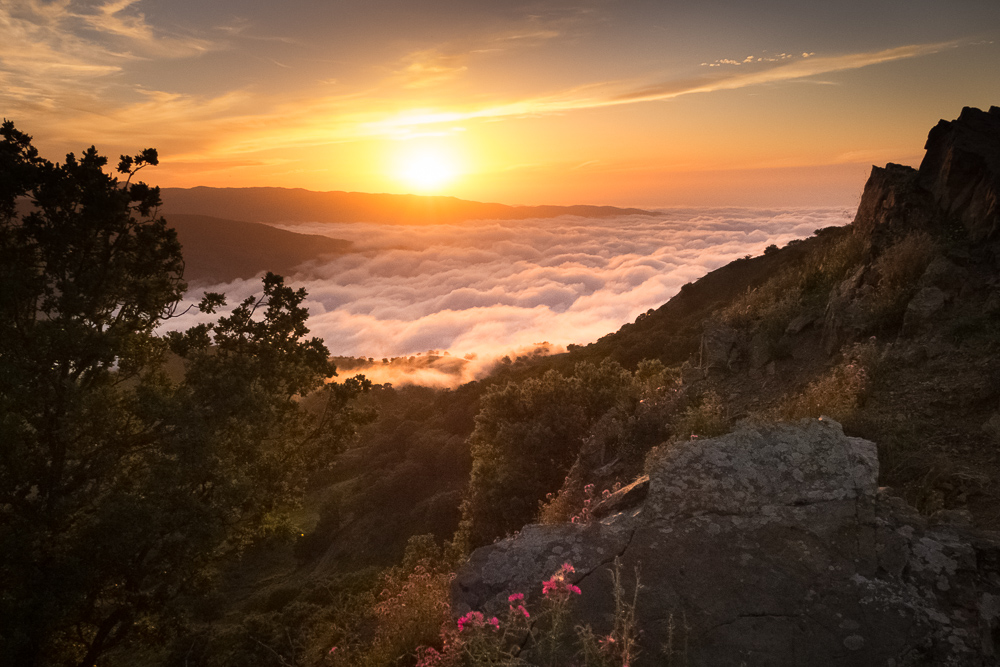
[
  {"x": 515, "y": 596},
  {"x": 558, "y": 586},
  {"x": 428, "y": 657},
  {"x": 473, "y": 619}
]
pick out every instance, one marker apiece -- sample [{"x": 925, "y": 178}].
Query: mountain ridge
[{"x": 290, "y": 205}]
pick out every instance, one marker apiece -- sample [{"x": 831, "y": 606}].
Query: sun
[{"x": 426, "y": 168}]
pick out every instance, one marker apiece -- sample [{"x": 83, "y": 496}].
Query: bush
[
  {"x": 705, "y": 419},
  {"x": 842, "y": 391},
  {"x": 527, "y": 437}
]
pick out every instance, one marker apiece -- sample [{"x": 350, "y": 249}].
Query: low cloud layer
[{"x": 490, "y": 288}]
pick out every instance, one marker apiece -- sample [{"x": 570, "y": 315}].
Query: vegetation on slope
[{"x": 892, "y": 332}]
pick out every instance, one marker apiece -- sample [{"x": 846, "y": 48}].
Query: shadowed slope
[{"x": 218, "y": 250}]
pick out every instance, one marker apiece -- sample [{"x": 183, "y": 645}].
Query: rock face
[
  {"x": 892, "y": 197},
  {"x": 961, "y": 170},
  {"x": 958, "y": 181},
  {"x": 769, "y": 546}
]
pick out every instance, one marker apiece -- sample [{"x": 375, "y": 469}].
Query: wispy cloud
[
  {"x": 237, "y": 125},
  {"x": 65, "y": 55},
  {"x": 431, "y": 67},
  {"x": 610, "y": 93},
  {"x": 791, "y": 70}
]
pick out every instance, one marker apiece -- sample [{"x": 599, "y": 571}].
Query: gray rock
[{"x": 769, "y": 546}]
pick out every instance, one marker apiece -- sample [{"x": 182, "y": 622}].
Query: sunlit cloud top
[{"x": 645, "y": 94}]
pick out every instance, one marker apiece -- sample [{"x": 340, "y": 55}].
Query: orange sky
[{"x": 631, "y": 102}]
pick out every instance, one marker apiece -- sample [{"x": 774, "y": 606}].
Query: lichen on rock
[{"x": 775, "y": 546}]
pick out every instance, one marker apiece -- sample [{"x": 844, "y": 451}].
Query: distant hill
[
  {"x": 218, "y": 250},
  {"x": 298, "y": 205}
]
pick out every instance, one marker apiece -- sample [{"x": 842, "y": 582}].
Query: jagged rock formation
[
  {"x": 958, "y": 181},
  {"x": 770, "y": 546},
  {"x": 961, "y": 170}
]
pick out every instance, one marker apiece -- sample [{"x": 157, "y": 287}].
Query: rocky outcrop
[
  {"x": 892, "y": 198},
  {"x": 769, "y": 546},
  {"x": 961, "y": 170},
  {"x": 718, "y": 346},
  {"x": 958, "y": 181}
]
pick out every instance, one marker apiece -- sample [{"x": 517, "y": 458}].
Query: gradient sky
[{"x": 632, "y": 102}]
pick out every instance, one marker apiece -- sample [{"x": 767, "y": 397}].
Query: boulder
[
  {"x": 768, "y": 546},
  {"x": 961, "y": 170}
]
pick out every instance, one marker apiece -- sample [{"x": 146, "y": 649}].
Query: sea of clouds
[{"x": 489, "y": 288}]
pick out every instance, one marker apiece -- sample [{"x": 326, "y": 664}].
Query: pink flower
[
  {"x": 558, "y": 586},
  {"x": 473, "y": 619},
  {"x": 333, "y": 649},
  {"x": 515, "y": 596},
  {"x": 428, "y": 657}
]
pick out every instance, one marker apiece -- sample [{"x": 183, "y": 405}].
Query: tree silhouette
[{"x": 120, "y": 486}]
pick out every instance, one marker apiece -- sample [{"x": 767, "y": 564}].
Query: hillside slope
[
  {"x": 218, "y": 250},
  {"x": 890, "y": 325}
]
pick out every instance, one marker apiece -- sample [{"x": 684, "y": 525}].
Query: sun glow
[{"x": 427, "y": 168}]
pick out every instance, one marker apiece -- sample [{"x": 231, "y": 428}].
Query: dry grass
[
  {"x": 899, "y": 268},
  {"x": 840, "y": 393}
]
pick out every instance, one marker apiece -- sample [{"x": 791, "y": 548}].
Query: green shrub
[{"x": 705, "y": 419}]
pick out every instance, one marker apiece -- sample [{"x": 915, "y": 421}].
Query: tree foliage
[
  {"x": 120, "y": 486},
  {"x": 526, "y": 438}
]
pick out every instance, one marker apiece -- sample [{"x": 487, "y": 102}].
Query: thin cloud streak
[
  {"x": 66, "y": 71},
  {"x": 571, "y": 100},
  {"x": 300, "y": 125}
]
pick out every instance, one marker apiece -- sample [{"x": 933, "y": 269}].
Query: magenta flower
[
  {"x": 472, "y": 619},
  {"x": 475, "y": 619},
  {"x": 515, "y": 596},
  {"x": 558, "y": 586}
]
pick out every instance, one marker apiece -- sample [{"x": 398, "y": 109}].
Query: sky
[
  {"x": 494, "y": 288},
  {"x": 627, "y": 102}
]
